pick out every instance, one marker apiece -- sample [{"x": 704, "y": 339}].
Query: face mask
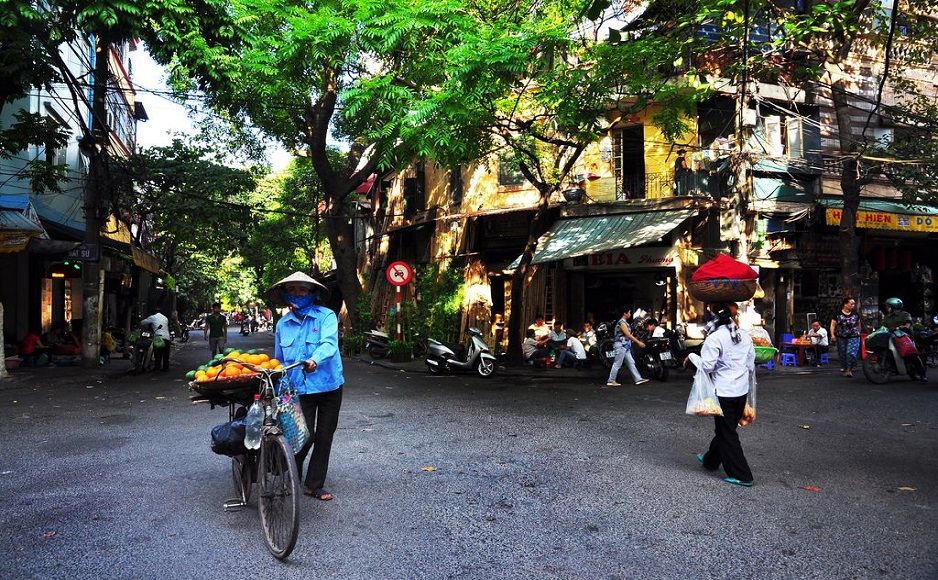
[{"x": 302, "y": 304}]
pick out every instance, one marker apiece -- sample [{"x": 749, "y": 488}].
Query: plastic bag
[
  {"x": 749, "y": 412},
  {"x": 703, "y": 401},
  {"x": 292, "y": 422},
  {"x": 158, "y": 341},
  {"x": 228, "y": 438},
  {"x": 905, "y": 346},
  {"x": 760, "y": 337}
]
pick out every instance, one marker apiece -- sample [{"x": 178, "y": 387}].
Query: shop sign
[
  {"x": 14, "y": 241},
  {"x": 145, "y": 260},
  {"x": 881, "y": 220},
  {"x": 629, "y": 258}
]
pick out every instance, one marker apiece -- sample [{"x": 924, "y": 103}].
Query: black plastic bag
[{"x": 228, "y": 438}]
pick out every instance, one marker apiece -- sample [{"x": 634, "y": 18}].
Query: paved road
[{"x": 534, "y": 478}]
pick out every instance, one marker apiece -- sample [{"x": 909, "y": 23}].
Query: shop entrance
[{"x": 606, "y": 293}]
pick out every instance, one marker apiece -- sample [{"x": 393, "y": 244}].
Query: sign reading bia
[{"x": 630, "y": 258}]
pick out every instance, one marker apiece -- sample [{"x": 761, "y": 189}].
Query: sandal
[{"x": 320, "y": 494}]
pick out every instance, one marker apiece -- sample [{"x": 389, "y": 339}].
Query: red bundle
[{"x": 724, "y": 267}]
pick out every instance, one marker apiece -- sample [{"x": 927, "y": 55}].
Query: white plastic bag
[
  {"x": 749, "y": 412},
  {"x": 703, "y": 401}
]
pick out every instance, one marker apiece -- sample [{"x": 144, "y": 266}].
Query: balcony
[{"x": 663, "y": 184}]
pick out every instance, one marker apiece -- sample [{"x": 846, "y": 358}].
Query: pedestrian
[
  {"x": 729, "y": 357},
  {"x": 216, "y": 330},
  {"x": 310, "y": 333},
  {"x": 161, "y": 338},
  {"x": 845, "y": 331},
  {"x": 623, "y": 349}
]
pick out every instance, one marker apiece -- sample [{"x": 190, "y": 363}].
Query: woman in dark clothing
[{"x": 845, "y": 331}]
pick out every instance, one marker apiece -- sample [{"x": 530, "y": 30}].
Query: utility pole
[{"x": 92, "y": 273}]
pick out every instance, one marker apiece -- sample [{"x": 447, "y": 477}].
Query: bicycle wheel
[
  {"x": 277, "y": 495},
  {"x": 241, "y": 476}
]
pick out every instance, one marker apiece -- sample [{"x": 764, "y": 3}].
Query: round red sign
[{"x": 399, "y": 273}]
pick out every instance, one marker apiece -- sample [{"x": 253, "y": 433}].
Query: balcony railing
[{"x": 663, "y": 184}]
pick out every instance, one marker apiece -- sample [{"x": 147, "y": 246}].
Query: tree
[
  {"x": 351, "y": 70},
  {"x": 195, "y": 210}
]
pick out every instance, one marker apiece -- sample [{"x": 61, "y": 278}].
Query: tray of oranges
[{"x": 226, "y": 371}]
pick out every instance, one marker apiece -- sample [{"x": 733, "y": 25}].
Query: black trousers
[
  {"x": 161, "y": 357},
  {"x": 725, "y": 448},
  {"x": 321, "y": 411}
]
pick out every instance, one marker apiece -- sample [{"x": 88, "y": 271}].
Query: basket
[
  {"x": 237, "y": 389},
  {"x": 723, "y": 290},
  {"x": 765, "y": 353}
]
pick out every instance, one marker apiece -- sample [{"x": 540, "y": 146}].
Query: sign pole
[{"x": 397, "y": 300}]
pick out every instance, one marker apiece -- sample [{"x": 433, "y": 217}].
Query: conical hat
[{"x": 273, "y": 293}]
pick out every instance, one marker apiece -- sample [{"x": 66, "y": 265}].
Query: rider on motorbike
[{"x": 898, "y": 319}]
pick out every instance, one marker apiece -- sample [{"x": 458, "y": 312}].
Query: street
[{"x": 455, "y": 476}]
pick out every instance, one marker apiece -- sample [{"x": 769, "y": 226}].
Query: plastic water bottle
[{"x": 254, "y": 423}]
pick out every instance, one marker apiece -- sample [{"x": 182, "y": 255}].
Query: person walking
[
  {"x": 216, "y": 330},
  {"x": 623, "y": 349},
  {"x": 160, "y": 325},
  {"x": 845, "y": 332},
  {"x": 730, "y": 359},
  {"x": 310, "y": 333}
]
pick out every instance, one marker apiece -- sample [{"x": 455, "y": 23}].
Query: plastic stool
[
  {"x": 769, "y": 364},
  {"x": 789, "y": 359},
  {"x": 823, "y": 359}
]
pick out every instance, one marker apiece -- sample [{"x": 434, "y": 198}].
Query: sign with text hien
[
  {"x": 625, "y": 259},
  {"x": 883, "y": 220},
  {"x": 399, "y": 274}
]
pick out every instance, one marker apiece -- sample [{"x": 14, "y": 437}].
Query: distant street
[{"x": 446, "y": 477}]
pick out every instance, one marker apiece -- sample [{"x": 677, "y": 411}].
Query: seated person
[
  {"x": 819, "y": 339},
  {"x": 654, "y": 330},
  {"x": 532, "y": 347},
  {"x": 541, "y": 330},
  {"x": 31, "y": 348},
  {"x": 574, "y": 352},
  {"x": 557, "y": 336},
  {"x": 588, "y": 336},
  {"x": 63, "y": 342}
]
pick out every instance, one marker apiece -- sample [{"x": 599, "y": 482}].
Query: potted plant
[{"x": 401, "y": 350}]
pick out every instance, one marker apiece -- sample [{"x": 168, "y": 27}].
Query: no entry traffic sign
[{"x": 399, "y": 273}]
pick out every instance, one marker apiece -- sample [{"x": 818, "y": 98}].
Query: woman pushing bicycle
[{"x": 310, "y": 333}]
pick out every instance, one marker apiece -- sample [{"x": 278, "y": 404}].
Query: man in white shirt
[
  {"x": 160, "y": 326},
  {"x": 574, "y": 352},
  {"x": 728, "y": 356},
  {"x": 819, "y": 338},
  {"x": 654, "y": 330}
]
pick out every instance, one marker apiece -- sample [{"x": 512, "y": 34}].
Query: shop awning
[
  {"x": 880, "y": 214},
  {"x": 16, "y": 225},
  {"x": 570, "y": 238}
]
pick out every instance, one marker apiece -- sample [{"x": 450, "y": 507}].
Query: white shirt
[
  {"x": 576, "y": 347},
  {"x": 529, "y": 346},
  {"x": 159, "y": 322},
  {"x": 821, "y": 335},
  {"x": 658, "y": 332},
  {"x": 728, "y": 363}
]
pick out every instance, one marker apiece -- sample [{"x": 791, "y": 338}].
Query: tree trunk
[
  {"x": 342, "y": 242},
  {"x": 536, "y": 228},
  {"x": 850, "y": 188}
]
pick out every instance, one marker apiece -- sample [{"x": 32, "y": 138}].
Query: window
[
  {"x": 508, "y": 174},
  {"x": 456, "y": 186},
  {"x": 56, "y": 154}
]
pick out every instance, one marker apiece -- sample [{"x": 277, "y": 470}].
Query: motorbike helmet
[{"x": 894, "y": 303}]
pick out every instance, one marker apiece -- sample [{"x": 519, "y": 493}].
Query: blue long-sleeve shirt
[{"x": 316, "y": 337}]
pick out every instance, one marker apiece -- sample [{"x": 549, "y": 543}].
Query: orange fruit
[
  {"x": 275, "y": 362},
  {"x": 247, "y": 371},
  {"x": 200, "y": 376},
  {"x": 263, "y": 357}
]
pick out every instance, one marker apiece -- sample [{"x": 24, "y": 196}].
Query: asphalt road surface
[{"x": 459, "y": 477}]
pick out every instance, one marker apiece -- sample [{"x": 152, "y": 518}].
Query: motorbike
[
  {"x": 376, "y": 344},
  {"x": 184, "y": 337},
  {"x": 927, "y": 341},
  {"x": 447, "y": 358},
  {"x": 883, "y": 360},
  {"x": 141, "y": 359},
  {"x": 605, "y": 349}
]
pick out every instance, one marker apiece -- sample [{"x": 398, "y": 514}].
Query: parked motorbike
[
  {"x": 605, "y": 350},
  {"x": 376, "y": 343},
  {"x": 448, "y": 358},
  {"x": 654, "y": 360},
  {"x": 927, "y": 341},
  {"x": 184, "y": 337},
  {"x": 883, "y": 360}
]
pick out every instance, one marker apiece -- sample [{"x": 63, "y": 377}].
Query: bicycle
[{"x": 272, "y": 466}]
